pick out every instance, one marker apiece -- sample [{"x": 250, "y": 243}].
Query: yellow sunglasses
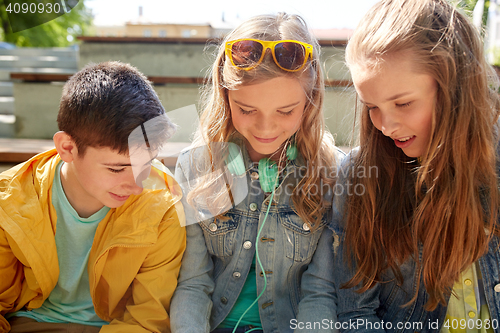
[{"x": 289, "y": 55}]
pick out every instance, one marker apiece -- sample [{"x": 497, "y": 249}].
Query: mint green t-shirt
[
  {"x": 70, "y": 300},
  {"x": 247, "y": 296}
]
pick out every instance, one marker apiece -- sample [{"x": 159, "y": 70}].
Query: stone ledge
[{"x": 20, "y": 150}]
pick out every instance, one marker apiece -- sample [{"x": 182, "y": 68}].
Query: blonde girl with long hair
[
  {"x": 419, "y": 248},
  {"x": 258, "y": 250}
]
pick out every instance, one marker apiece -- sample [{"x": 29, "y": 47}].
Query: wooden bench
[
  {"x": 38, "y": 60},
  {"x": 19, "y": 150}
]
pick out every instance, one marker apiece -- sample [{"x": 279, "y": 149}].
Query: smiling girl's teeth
[{"x": 405, "y": 139}]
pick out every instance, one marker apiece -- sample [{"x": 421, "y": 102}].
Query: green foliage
[
  {"x": 59, "y": 32},
  {"x": 468, "y": 7},
  {"x": 495, "y": 51}
]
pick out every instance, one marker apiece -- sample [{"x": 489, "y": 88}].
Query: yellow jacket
[{"x": 133, "y": 264}]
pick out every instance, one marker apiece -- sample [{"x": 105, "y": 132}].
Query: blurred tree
[
  {"x": 59, "y": 32},
  {"x": 469, "y": 5},
  {"x": 492, "y": 52}
]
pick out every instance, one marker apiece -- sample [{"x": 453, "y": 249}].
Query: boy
[{"x": 83, "y": 248}]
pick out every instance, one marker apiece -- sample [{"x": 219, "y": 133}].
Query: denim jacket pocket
[
  {"x": 219, "y": 234},
  {"x": 300, "y": 242},
  {"x": 394, "y": 294},
  {"x": 388, "y": 293}
]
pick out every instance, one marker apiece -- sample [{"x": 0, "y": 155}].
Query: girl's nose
[
  {"x": 389, "y": 124},
  {"x": 265, "y": 123}
]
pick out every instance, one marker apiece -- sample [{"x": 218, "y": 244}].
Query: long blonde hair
[
  {"x": 445, "y": 201},
  {"x": 313, "y": 142}
]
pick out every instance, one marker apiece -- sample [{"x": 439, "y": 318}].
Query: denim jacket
[
  {"x": 297, "y": 261},
  {"x": 381, "y": 308}
]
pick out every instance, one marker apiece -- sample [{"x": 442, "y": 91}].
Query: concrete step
[
  {"x": 15, "y": 150},
  {"x": 44, "y": 70},
  {"x": 7, "y": 126},
  {"x": 6, "y": 105},
  {"x": 40, "y": 52},
  {"x": 6, "y": 89},
  {"x": 4, "y": 75},
  {"x": 8, "y": 61}
]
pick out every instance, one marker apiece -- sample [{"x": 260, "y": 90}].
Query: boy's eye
[
  {"x": 404, "y": 105},
  {"x": 116, "y": 170}
]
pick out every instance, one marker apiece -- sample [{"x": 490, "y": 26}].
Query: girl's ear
[{"x": 65, "y": 146}]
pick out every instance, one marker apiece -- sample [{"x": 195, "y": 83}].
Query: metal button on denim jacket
[{"x": 296, "y": 260}]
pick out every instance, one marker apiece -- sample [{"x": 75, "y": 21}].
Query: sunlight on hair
[{"x": 215, "y": 186}]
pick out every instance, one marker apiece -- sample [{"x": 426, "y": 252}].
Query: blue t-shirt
[{"x": 70, "y": 300}]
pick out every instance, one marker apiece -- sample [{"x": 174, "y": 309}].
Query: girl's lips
[
  {"x": 265, "y": 140},
  {"x": 404, "y": 144},
  {"x": 119, "y": 197}
]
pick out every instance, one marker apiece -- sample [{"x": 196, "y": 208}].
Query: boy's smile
[{"x": 101, "y": 177}]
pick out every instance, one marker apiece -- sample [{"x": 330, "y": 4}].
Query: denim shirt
[
  {"x": 217, "y": 260},
  {"x": 382, "y": 308}
]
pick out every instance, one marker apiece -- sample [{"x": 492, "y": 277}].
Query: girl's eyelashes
[
  {"x": 404, "y": 105},
  {"x": 116, "y": 170},
  {"x": 245, "y": 111},
  {"x": 286, "y": 113}
]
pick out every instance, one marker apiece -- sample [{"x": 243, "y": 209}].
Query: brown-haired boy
[{"x": 83, "y": 247}]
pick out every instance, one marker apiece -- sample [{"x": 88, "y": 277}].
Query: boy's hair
[
  {"x": 103, "y": 103},
  {"x": 312, "y": 140},
  {"x": 445, "y": 202}
]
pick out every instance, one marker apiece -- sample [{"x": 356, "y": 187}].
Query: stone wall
[{"x": 36, "y": 103}]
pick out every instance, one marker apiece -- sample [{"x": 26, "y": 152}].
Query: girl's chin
[
  {"x": 259, "y": 154},
  {"x": 268, "y": 151},
  {"x": 259, "y": 150}
]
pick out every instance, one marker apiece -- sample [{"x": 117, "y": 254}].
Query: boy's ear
[{"x": 65, "y": 146}]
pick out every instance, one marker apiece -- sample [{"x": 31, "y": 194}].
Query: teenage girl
[
  {"x": 420, "y": 249},
  {"x": 258, "y": 254}
]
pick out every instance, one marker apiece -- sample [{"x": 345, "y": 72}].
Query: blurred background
[{"x": 172, "y": 42}]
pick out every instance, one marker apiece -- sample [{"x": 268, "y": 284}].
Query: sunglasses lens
[
  {"x": 290, "y": 55},
  {"x": 246, "y": 53}
]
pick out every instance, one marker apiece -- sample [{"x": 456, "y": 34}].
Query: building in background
[
  {"x": 333, "y": 34},
  {"x": 170, "y": 30},
  {"x": 143, "y": 27}
]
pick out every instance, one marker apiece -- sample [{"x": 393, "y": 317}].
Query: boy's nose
[
  {"x": 137, "y": 178},
  {"x": 134, "y": 184},
  {"x": 135, "y": 189}
]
